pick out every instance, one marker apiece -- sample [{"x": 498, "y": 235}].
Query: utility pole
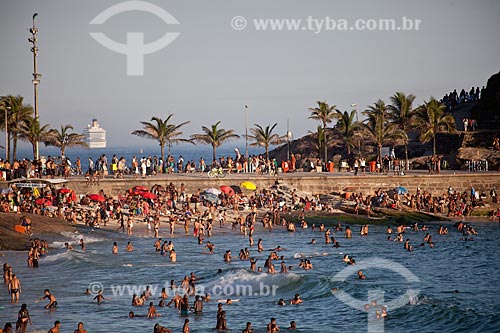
[
  {"x": 353, "y": 105},
  {"x": 36, "y": 75},
  {"x": 246, "y": 134}
]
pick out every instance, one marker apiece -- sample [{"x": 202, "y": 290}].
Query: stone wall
[{"x": 314, "y": 183}]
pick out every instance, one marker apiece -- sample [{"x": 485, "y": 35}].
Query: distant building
[{"x": 95, "y": 136}]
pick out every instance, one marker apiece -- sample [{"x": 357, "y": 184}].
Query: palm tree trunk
[
  {"x": 434, "y": 144},
  {"x": 14, "y": 148},
  {"x": 380, "y": 154},
  {"x": 34, "y": 150},
  {"x": 62, "y": 151},
  {"x": 214, "y": 153},
  {"x": 406, "y": 158},
  {"x": 162, "y": 148},
  {"x": 267, "y": 152},
  {"x": 8, "y": 146},
  {"x": 326, "y": 148}
]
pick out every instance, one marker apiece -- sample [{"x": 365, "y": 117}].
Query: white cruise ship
[{"x": 95, "y": 136}]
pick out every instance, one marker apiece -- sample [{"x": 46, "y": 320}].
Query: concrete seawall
[{"x": 307, "y": 182}]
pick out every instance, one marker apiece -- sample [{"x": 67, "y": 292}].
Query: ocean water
[
  {"x": 189, "y": 152},
  {"x": 471, "y": 268}
]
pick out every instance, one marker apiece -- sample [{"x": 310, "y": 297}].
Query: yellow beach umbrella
[{"x": 249, "y": 186}]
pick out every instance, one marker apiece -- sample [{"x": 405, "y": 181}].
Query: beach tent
[{"x": 36, "y": 182}]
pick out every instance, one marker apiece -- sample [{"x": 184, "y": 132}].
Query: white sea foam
[
  {"x": 73, "y": 238},
  {"x": 243, "y": 281}
]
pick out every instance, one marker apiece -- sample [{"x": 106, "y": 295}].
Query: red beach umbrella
[
  {"x": 64, "y": 190},
  {"x": 227, "y": 190},
  {"x": 148, "y": 195},
  {"x": 140, "y": 188},
  {"x": 97, "y": 197},
  {"x": 43, "y": 202}
]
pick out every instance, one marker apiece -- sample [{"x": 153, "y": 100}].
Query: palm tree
[
  {"x": 347, "y": 128},
  {"x": 17, "y": 112},
  {"x": 162, "y": 131},
  {"x": 264, "y": 137},
  {"x": 214, "y": 136},
  {"x": 31, "y": 131},
  {"x": 320, "y": 138},
  {"x": 401, "y": 112},
  {"x": 325, "y": 114},
  {"x": 63, "y": 139},
  {"x": 430, "y": 119},
  {"x": 378, "y": 129}
]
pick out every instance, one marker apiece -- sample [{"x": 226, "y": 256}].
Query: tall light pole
[
  {"x": 353, "y": 105},
  {"x": 6, "y": 115},
  {"x": 246, "y": 134},
  {"x": 288, "y": 138},
  {"x": 36, "y": 75}
]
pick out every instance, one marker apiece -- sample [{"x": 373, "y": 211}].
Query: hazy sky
[{"x": 211, "y": 71}]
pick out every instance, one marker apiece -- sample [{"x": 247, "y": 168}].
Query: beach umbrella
[
  {"x": 97, "y": 197},
  {"x": 227, "y": 190},
  {"x": 140, "y": 188},
  {"x": 211, "y": 197},
  {"x": 64, "y": 190},
  {"x": 236, "y": 188},
  {"x": 43, "y": 202},
  {"x": 401, "y": 190},
  {"x": 249, "y": 186},
  {"x": 213, "y": 191},
  {"x": 148, "y": 195}
]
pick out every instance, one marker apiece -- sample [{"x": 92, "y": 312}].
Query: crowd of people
[{"x": 454, "y": 99}]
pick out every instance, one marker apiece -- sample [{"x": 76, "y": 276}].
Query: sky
[{"x": 216, "y": 65}]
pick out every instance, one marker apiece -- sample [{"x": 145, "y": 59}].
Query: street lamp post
[
  {"x": 36, "y": 75},
  {"x": 7, "y": 150},
  {"x": 353, "y": 105},
  {"x": 246, "y": 134},
  {"x": 288, "y": 138}
]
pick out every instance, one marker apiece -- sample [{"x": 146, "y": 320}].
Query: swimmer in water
[
  {"x": 160, "y": 329},
  {"x": 115, "y": 248},
  {"x": 52, "y": 300},
  {"x": 99, "y": 297},
  {"x": 56, "y": 328},
  {"x": 296, "y": 300},
  {"x": 361, "y": 276},
  {"x": 293, "y": 326},
  {"x": 82, "y": 244},
  {"x": 281, "y": 302},
  {"x": 129, "y": 247},
  {"x": 152, "y": 311},
  {"x": 80, "y": 328}
]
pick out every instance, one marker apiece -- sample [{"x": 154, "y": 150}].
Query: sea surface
[
  {"x": 455, "y": 290},
  {"x": 189, "y": 152}
]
